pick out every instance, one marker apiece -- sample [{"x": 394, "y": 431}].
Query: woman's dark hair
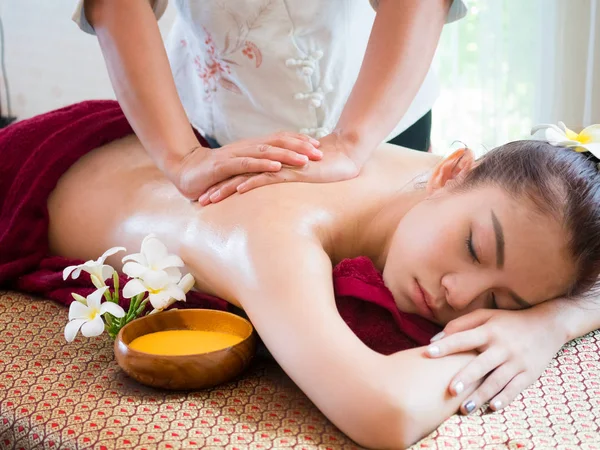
[{"x": 558, "y": 181}]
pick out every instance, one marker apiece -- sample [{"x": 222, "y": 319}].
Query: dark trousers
[{"x": 417, "y": 136}]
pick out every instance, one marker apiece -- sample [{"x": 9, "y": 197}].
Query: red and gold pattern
[{"x": 55, "y": 395}]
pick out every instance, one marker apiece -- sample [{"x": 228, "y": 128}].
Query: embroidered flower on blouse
[{"x": 214, "y": 67}]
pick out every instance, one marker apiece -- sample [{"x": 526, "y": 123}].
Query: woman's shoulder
[{"x": 390, "y": 157}]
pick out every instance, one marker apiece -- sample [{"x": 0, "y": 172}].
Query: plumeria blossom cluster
[
  {"x": 154, "y": 276},
  {"x": 588, "y": 140}
]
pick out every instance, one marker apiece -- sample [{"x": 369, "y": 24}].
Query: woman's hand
[
  {"x": 202, "y": 168},
  {"x": 515, "y": 347},
  {"x": 336, "y": 165}
]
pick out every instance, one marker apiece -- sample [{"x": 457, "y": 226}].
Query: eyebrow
[
  {"x": 500, "y": 256},
  {"x": 499, "y": 241}
]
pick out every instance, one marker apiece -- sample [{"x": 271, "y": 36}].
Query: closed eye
[
  {"x": 471, "y": 249},
  {"x": 494, "y": 304}
]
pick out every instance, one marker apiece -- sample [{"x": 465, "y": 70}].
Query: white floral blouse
[{"x": 246, "y": 68}]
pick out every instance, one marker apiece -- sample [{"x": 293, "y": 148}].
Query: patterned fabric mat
[{"x": 55, "y": 395}]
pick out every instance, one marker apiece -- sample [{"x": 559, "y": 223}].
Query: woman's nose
[{"x": 464, "y": 290}]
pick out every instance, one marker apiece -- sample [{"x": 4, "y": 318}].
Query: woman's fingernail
[
  {"x": 497, "y": 405},
  {"x": 433, "y": 350},
  {"x": 318, "y": 153},
  {"x": 438, "y": 336},
  {"x": 314, "y": 142},
  {"x": 458, "y": 387},
  {"x": 203, "y": 198},
  {"x": 241, "y": 188},
  {"x": 215, "y": 196},
  {"x": 470, "y": 406},
  {"x": 275, "y": 165},
  {"x": 303, "y": 158}
]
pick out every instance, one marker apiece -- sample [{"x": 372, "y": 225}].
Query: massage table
[{"x": 55, "y": 395}]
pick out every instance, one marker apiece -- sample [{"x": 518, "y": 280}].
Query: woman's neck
[
  {"x": 379, "y": 229},
  {"x": 370, "y": 233}
]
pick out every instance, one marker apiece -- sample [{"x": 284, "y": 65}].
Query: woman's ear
[{"x": 451, "y": 169}]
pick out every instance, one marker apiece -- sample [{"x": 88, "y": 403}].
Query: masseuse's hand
[
  {"x": 336, "y": 165},
  {"x": 202, "y": 168},
  {"x": 515, "y": 347}
]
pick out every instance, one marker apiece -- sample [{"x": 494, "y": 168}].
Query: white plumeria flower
[
  {"x": 96, "y": 268},
  {"x": 153, "y": 257},
  {"x": 89, "y": 317},
  {"x": 162, "y": 292},
  {"x": 588, "y": 140},
  {"x": 186, "y": 284}
]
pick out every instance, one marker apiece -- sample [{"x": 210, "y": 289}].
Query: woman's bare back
[{"x": 115, "y": 195}]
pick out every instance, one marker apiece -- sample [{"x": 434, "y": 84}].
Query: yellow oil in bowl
[{"x": 183, "y": 342}]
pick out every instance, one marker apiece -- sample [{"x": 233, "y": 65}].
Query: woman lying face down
[
  {"x": 509, "y": 231},
  {"x": 504, "y": 232}
]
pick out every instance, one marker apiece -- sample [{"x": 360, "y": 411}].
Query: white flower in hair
[{"x": 588, "y": 140}]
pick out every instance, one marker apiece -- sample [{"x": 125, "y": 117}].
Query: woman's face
[{"x": 459, "y": 251}]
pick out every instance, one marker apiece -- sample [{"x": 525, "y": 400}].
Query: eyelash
[
  {"x": 494, "y": 304},
  {"x": 471, "y": 249}
]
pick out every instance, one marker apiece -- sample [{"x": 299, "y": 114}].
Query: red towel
[{"x": 35, "y": 153}]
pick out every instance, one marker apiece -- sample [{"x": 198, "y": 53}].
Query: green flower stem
[
  {"x": 107, "y": 295},
  {"x": 113, "y": 325},
  {"x": 136, "y": 307},
  {"x": 133, "y": 306},
  {"x": 116, "y": 287},
  {"x": 142, "y": 307},
  {"x": 113, "y": 331}
]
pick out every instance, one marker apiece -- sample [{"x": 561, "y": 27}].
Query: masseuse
[{"x": 349, "y": 74}]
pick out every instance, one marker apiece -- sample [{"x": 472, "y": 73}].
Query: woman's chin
[{"x": 405, "y": 305}]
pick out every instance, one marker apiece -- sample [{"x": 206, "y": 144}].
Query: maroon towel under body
[{"x": 35, "y": 153}]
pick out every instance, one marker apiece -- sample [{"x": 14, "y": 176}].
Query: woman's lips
[{"x": 420, "y": 298}]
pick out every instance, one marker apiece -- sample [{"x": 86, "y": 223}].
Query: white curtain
[{"x": 513, "y": 63}]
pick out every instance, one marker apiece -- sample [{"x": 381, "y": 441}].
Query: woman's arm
[
  {"x": 574, "y": 316},
  {"x": 401, "y": 47},
  {"x": 510, "y": 362},
  {"x": 379, "y": 401}
]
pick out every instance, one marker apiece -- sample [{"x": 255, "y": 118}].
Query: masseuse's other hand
[
  {"x": 515, "y": 347},
  {"x": 336, "y": 165},
  {"x": 203, "y": 167}
]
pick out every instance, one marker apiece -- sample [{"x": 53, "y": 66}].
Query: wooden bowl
[{"x": 184, "y": 372}]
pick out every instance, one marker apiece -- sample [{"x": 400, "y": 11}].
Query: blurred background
[
  {"x": 507, "y": 65},
  {"x": 513, "y": 63}
]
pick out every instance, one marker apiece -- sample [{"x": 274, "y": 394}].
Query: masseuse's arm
[
  {"x": 400, "y": 51},
  {"x": 139, "y": 70},
  {"x": 379, "y": 401}
]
